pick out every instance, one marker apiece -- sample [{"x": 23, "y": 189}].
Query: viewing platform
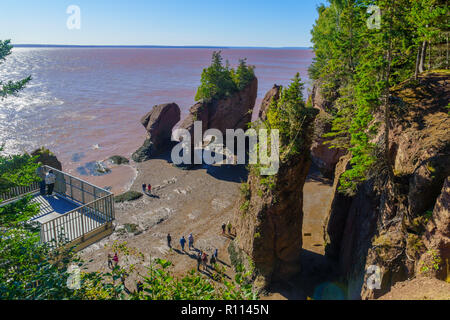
[{"x": 77, "y": 214}]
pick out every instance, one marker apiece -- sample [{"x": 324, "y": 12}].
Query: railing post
[
  {"x": 82, "y": 225},
  {"x": 71, "y": 188},
  {"x": 54, "y": 232},
  {"x": 41, "y": 234},
  {"x": 105, "y": 208},
  {"x": 82, "y": 193}
]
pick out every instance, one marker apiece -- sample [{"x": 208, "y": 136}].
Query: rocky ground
[
  {"x": 182, "y": 201},
  {"x": 419, "y": 289}
]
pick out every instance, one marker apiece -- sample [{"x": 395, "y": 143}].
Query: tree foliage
[
  {"x": 10, "y": 87},
  {"x": 355, "y": 67},
  {"x": 220, "y": 81},
  {"x": 290, "y": 115}
]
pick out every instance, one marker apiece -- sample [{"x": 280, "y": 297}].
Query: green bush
[
  {"x": 245, "y": 206},
  {"x": 128, "y": 196},
  {"x": 235, "y": 256},
  {"x": 119, "y": 160},
  {"x": 220, "y": 81},
  {"x": 245, "y": 190}
]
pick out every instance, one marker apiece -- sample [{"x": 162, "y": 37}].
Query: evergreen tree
[
  {"x": 220, "y": 81},
  {"x": 289, "y": 114},
  {"x": 356, "y": 67},
  {"x": 10, "y": 87}
]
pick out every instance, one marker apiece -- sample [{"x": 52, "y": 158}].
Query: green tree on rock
[{"x": 219, "y": 81}]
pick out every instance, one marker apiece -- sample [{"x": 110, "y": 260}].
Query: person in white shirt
[{"x": 50, "y": 180}]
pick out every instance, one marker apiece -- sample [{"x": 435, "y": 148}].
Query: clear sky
[{"x": 265, "y": 23}]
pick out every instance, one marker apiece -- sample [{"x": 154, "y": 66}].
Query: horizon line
[{"x": 24, "y": 45}]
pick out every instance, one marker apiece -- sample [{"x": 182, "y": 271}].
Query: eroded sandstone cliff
[
  {"x": 234, "y": 112},
  {"x": 399, "y": 227},
  {"x": 324, "y": 157},
  {"x": 159, "y": 123},
  {"x": 269, "y": 215}
]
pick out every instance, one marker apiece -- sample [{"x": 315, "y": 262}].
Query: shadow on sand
[
  {"x": 151, "y": 195},
  {"x": 225, "y": 172}
]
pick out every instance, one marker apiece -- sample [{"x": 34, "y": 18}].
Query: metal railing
[
  {"x": 16, "y": 193},
  {"x": 95, "y": 208},
  {"x": 76, "y": 224}
]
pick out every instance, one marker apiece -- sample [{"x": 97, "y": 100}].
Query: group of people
[
  {"x": 48, "y": 180},
  {"x": 113, "y": 261},
  {"x": 202, "y": 257},
  {"x": 182, "y": 241},
  {"x": 147, "y": 188}
]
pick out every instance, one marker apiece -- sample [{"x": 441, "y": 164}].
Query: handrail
[
  {"x": 69, "y": 175},
  {"x": 74, "y": 221},
  {"x": 78, "y": 208},
  {"x": 84, "y": 219},
  {"x": 34, "y": 187}
]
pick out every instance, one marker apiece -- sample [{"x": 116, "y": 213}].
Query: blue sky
[{"x": 284, "y": 23}]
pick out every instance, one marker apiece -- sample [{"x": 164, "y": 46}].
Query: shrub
[
  {"x": 119, "y": 160},
  {"x": 245, "y": 190},
  {"x": 432, "y": 263},
  {"x": 245, "y": 206},
  {"x": 128, "y": 196},
  {"x": 414, "y": 245},
  {"x": 235, "y": 256}
]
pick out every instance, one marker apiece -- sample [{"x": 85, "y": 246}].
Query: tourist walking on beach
[
  {"x": 110, "y": 261},
  {"x": 191, "y": 241},
  {"x": 212, "y": 262},
  {"x": 216, "y": 254},
  {"x": 169, "y": 240},
  {"x": 40, "y": 171},
  {"x": 116, "y": 259},
  {"x": 182, "y": 242},
  {"x": 205, "y": 260},
  {"x": 144, "y": 188},
  {"x": 223, "y": 228},
  {"x": 50, "y": 180},
  {"x": 229, "y": 226},
  {"x": 199, "y": 260},
  {"x": 149, "y": 189}
]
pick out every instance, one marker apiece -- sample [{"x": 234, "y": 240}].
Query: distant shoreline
[{"x": 151, "y": 47}]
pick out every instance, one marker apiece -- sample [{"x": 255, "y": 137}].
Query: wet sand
[
  {"x": 118, "y": 181},
  {"x": 317, "y": 197}
]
